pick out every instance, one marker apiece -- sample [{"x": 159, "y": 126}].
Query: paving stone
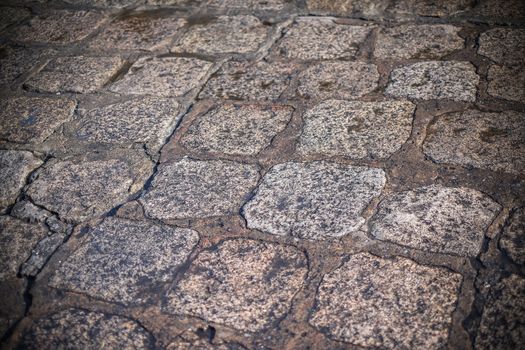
[
  {"x": 507, "y": 82},
  {"x": 148, "y": 30},
  {"x": 316, "y": 200},
  {"x": 356, "y": 129},
  {"x": 431, "y": 8},
  {"x": 103, "y": 3},
  {"x": 15, "y": 166},
  {"x": 11, "y": 15},
  {"x": 417, "y": 41},
  {"x": 502, "y": 317},
  {"x": 387, "y": 303},
  {"x": 12, "y": 303},
  {"x": 341, "y": 80},
  {"x": 200, "y": 340},
  {"x": 32, "y": 119},
  {"x": 15, "y": 61},
  {"x": 513, "y": 239},
  {"x": 80, "y": 74},
  {"x": 236, "y": 34},
  {"x": 147, "y": 120},
  {"x": 80, "y": 188},
  {"x": 501, "y": 10},
  {"x": 29, "y": 212},
  {"x": 176, "y": 3},
  {"x": 486, "y": 140},
  {"x": 452, "y": 80},
  {"x": 234, "y": 129},
  {"x": 125, "y": 261},
  {"x": 41, "y": 253},
  {"x": 261, "y": 5},
  {"x": 17, "y": 239},
  {"x": 436, "y": 219},
  {"x": 82, "y": 329},
  {"x": 168, "y": 76},
  {"x": 348, "y": 7},
  {"x": 59, "y": 27},
  {"x": 502, "y": 45},
  {"x": 196, "y": 189},
  {"x": 260, "y": 81},
  {"x": 321, "y": 38},
  {"x": 244, "y": 284}
]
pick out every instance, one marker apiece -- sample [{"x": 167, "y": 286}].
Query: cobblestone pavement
[{"x": 262, "y": 174}]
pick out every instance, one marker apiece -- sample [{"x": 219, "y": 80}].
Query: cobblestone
[
  {"x": 504, "y": 46},
  {"x": 122, "y": 259},
  {"x": 507, "y": 82},
  {"x": 436, "y": 219},
  {"x": 10, "y": 15},
  {"x": 15, "y": 166},
  {"x": 251, "y": 287},
  {"x": 513, "y": 239},
  {"x": 341, "y": 80},
  {"x": 356, "y": 129},
  {"x": 15, "y": 61},
  {"x": 261, "y": 5},
  {"x": 347, "y": 7},
  {"x": 431, "y": 8},
  {"x": 375, "y": 302},
  {"x": 316, "y": 200},
  {"x": 480, "y": 139},
  {"x": 452, "y": 80},
  {"x": 237, "y": 129}
]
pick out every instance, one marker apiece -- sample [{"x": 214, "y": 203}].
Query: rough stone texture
[
  {"x": 507, "y": 82},
  {"x": 147, "y": 120},
  {"x": 316, "y": 200},
  {"x": 387, "y": 303},
  {"x": 32, "y": 119},
  {"x": 253, "y": 5},
  {"x": 168, "y": 76},
  {"x": 348, "y": 7},
  {"x": 501, "y": 10},
  {"x": 502, "y": 317},
  {"x": 17, "y": 239},
  {"x": 41, "y": 253},
  {"x": 237, "y": 34},
  {"x": 138, "y": 31},
  {"x": 200, "y": 340},
  {"x": 452, "y": 80},
  {"x": 341, "y": 80},
  {"x": 513, "y": 239},
  {"x": 245, "y": 284},
  {"x": 502, "y": 45},
  {"x": 80, "y": 188},
  {"x": 15, "y": 61},
  {"x": 484, "y": 140},
  {"x": 436, "y": 219},
  {"x": 82, "y": 329},
  {"x": 356, "y": 129},
  {"x": 59, "y": 27},
  {"x": 80, "y": 74},
  {"x": 122, "y": 259},
  {"x": 260, "y": 81},
  {"x": 103, "y": 3},
  {"x": 15, "y": 166},
  {"x": 11, "y": 15},
  {"x": 417, "y": 41},
  {"x": 321, "y": 38},
  {"x": 195, "y": 189},
  {"x": 431, "y": 8},
  {"x": 233, "y": 129}
]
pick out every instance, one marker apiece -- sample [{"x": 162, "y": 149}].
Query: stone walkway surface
[{"x": 262, "y": 174}]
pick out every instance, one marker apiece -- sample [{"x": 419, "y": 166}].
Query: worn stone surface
[
  {"x": 347, "y": 7},
  {"x": 192, "y": 189},
  {"x": 79, "y": 188},
  {"x": 80, "y": 74},
  {"x": 245, "y": 284},
  {"x": 253, "y": 5},
  {"x": 82, "y": 329},
  {"x": 502, "y": 317},
  {"x": 15, "y": 61},
  {"x": 387, "y": 303},
  {"x": 11, "y": 15},
  {"x": 487, "y": 140},
  {"x": 507, "y": 82},
  {"x": 32, "y": 119},
  {"x": 436, "y": 219},
  {"x": 513, "y": 239},
  {"x": 417, "y": 41},
  {"x": 502, "y": 45},
  {"x": 59, "y": 27},
  {"x": 15, "y": 166},
  {"x": 340, "y": 80},
  {"x": 103, "y": 3},
  {"x": 236, "y": 34},
  {"x": 501, "y": 10},
  {"x": 356, "y": 129},
  {"x": 121, "y": 260},
  {"x": 431, "y": 8},
  {"x": 147, "y": 30},
  {"x": 200, "y": 340},
  {"x": 235, "y": 129},
  {"x": 146, "y": 120},
  {"x": 321, "y": 38},
  {"x": 453, "y": 80},
  {"x": 260, "y": 81},
  {"x": 167, "y": 76},
  {"x": 41, "y": 253},
  {"x": 316, "y": 200}
]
